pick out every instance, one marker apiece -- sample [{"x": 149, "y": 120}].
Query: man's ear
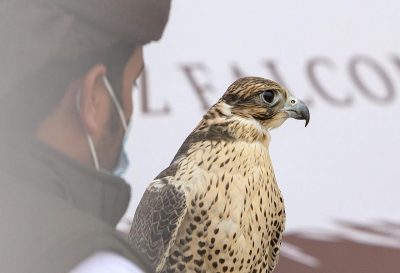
[{"x": 89, "y": 99}]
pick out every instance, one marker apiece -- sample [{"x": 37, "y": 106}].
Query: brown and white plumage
[{"x": 217, "y": 207}]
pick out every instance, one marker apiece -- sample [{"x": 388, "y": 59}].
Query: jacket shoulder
[{"x": 45, "y": 233}]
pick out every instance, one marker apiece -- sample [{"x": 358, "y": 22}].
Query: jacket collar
[{"x": 98, "y": 193}]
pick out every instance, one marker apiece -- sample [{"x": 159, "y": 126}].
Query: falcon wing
[{"x": 157, "y": 220}]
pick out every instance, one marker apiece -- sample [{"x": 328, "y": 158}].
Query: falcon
[{"x": 217, "y": 207}]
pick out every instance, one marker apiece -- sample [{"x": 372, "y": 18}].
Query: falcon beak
[{"x": 297, "y": 109}]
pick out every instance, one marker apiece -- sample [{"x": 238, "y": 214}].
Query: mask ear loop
[
  {"x": 89, "y": 138},
  {"x": 116, "y": 102}
]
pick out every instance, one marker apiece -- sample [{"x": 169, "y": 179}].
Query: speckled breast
[{"x": 235, "y": 216}]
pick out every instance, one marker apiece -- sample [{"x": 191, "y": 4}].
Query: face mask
[{"x": 123, "y": 161}]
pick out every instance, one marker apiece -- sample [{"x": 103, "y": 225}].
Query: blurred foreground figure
[
  {"x": 217, "y": 207},
  {"x": 67, "y": 70}
]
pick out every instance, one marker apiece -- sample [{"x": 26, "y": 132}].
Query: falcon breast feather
[{"x": 217, "y": 207}]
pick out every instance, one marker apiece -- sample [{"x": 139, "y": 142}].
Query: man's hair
[{"x": 38, "y": 95}]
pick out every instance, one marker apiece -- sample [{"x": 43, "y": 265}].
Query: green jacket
[{"x": 55, "y": 212}]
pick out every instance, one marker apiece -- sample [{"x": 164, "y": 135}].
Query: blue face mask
[{"x": 123, "y": 161}]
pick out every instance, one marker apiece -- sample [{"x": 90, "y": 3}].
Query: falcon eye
[{"x": 268, "y": 96}]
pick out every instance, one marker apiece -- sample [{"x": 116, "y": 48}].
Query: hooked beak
[{"x": 297, "y": 109}]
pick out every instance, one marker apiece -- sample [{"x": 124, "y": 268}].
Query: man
[{"x": 67, "y": 70}]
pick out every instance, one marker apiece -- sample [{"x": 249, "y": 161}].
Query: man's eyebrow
[
  {"x": 138, "y": 75},
  {"x": 142, "y": 69}
]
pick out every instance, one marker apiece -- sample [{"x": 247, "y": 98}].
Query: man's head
[
  {"x": 59, "y": 57},
  {"x": 87, "y": 111}
]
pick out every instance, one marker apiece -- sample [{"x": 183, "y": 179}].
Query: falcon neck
[{"x": 220, "y": 124}]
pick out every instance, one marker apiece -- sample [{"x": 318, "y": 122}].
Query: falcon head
[{"x": 265, "y": 101}]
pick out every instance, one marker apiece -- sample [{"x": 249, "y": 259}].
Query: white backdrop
[{"x": 343, "y": 57}]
